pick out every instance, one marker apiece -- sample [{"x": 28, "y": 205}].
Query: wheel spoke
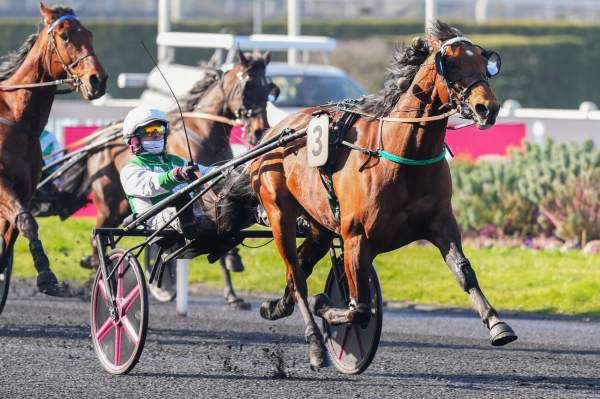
[
  {"x": 104, "y": 329},
  {"x": 360, "y": 347},
  {"x": 118, "y": 330},
  {"x": 131, "y": 333},
  {"x": 129, "y": 299},
  {"x": 343, "y": 346}
]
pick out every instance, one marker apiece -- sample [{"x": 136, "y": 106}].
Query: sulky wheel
[
  {"x": 6, "y": 270},
  {"x": 168, "y": 289},
  {"x": 352, "y": 347},
  {"x": 119, "y": 340}
]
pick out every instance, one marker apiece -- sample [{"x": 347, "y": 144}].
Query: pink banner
[
  {"x": 71, "y": 135},
  {"x": 471, "y": 143}
]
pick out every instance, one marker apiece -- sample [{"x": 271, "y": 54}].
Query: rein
[{"x": 210, "y": 117}]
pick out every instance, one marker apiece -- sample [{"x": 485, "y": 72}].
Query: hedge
[{"x": 545, "y": 65}]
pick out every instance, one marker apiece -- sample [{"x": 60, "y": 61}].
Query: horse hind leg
[
  {"x": 448, "y": 242},
  {"x": 313, "y": 248},
  {"x": 282, "y": 217},
  {"x": 231, "y": 298}
]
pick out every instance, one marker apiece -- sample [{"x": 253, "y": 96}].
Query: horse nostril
[
  {"x": 482, "y": 110},
  {"x": 98, "y": 85}
]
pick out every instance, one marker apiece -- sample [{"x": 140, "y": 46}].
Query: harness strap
[
  {"x": 203, "y": 115},
  {"x": 404, "y": 120},
  {"x": 413, "y": 162},
  {"x": 15, "y": 126}
]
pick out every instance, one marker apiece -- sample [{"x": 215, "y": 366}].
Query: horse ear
[
  {"x": 243, "y": 59},
  {"x": 47, "y": 13},
  {"x": 267, "y": 57}
]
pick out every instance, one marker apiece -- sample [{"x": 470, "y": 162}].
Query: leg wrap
[{"x": 465, "y": 274}]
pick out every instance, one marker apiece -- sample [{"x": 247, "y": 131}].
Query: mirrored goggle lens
[{"x": 153, "y": 130}]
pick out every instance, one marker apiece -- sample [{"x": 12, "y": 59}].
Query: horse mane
[
  {"x": 193, "y": 97},
  {"x": 13, "y": 60},
  {"x": 406, "y": 61}
]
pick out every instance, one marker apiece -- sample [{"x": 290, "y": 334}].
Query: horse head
[
  {"x": 466, "y": 69},
  {"x": 70, "y": 53},
  {"x": 247, "y": 91}
]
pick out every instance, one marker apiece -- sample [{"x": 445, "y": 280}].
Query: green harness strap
[{"x": 414, "y": 162}]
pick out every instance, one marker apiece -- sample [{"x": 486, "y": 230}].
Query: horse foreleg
[
  {"x": 446, "y": 238},
  {"x": 357, "y": 268},
  {"x": 20, "y": 218}
]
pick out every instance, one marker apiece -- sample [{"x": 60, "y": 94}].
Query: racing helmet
[{"x": 141, "y": 116}]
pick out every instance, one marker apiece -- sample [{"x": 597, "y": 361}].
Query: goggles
[{"x": 151, "y": 130}]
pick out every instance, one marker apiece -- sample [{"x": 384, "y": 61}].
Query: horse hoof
[
  {"x": 238, "y": 304},
  {"x": 319, "y": 304},
  {"x": 275, "y": 309},
  {"x": 317, "y": 353},
  {"x": 501, "y": 334},
  {"x": 49, "y": 285}
]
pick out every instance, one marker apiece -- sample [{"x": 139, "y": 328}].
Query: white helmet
[{"x": 141, "y": 116}]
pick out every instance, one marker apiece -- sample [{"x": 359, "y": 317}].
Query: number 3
[{"x": 319, "y": 132}]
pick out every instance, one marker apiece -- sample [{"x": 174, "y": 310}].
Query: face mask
[{"x": 154, "y": 147}]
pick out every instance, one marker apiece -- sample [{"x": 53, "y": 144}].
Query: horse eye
[{"x": 64, "y": 36}]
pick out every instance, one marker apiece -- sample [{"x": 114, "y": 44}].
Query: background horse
[
  {"x": 383, "y": 205},
  {"x": 61, "y": 50},
  {"x": 240, "y": 93}
]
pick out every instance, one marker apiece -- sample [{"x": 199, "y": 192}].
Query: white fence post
[{"x": 182, "y": 287}]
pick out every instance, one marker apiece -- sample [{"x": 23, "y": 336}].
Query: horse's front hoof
[
  {"x": 238, "y": 304},
  {"x": 276, "y": 309},
  {"x": 501, "y": 334},
  {"x": 319, "y": 304},
  {"x": 317, "y": 353}
]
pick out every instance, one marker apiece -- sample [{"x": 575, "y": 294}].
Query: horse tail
[
  {"x": 237, "y": 202},
  {"x": 73, "y": 187}
]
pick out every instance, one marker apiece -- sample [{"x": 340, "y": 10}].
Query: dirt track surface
[{"x": 45, "y": 351}]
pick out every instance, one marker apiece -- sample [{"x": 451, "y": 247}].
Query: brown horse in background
[
  {"x": 28, "y": 83},
  {"x": 240, "y": 93},
  {"x": 383, "y": 205}
]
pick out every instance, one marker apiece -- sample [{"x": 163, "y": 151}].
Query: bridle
[
  {"x": 73, "y": 79},
  {"x": 244, "y": 114},
  {"x": 458, "y": 96}
]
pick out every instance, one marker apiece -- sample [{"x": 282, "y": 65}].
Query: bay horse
[
  {"x": 385, "y": 201},
  {"x": 61, "y": 52},
  {"x": 210, "y": 109}
]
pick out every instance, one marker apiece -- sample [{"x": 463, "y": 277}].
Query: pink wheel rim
[{"x": 117, "y": 341}]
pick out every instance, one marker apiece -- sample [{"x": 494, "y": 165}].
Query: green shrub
[{"x": 548, "y": 189}]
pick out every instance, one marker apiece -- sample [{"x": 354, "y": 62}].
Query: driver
[{"x": 152, "y": 174}]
